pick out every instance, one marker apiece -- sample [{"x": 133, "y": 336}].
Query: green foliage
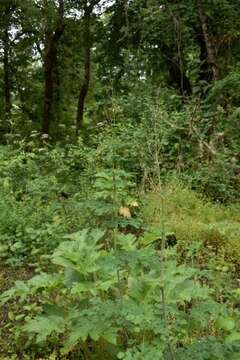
[
  {"x": 120, "y": 240},
  {"x": 37, "y": 204},
  {"x": 112, "y": 202},
  {"x": 111, "y": 290},
  {"x": 196, "y": 141},
  {"x": 225, "y": 92},
  {"x": 104, "y": 296}
]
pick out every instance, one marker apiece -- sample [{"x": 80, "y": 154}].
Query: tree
[
  {"x": 206, "y": 42},
  {"x": 7, "y": 9},
  {"x": 87, "y": 43},
  {"x": 52, "y": 38}
]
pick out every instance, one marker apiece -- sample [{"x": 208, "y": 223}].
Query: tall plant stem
[{"x": 162, "y": 225}]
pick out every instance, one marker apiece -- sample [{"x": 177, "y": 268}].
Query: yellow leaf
[{"x": 125, "y": 212}]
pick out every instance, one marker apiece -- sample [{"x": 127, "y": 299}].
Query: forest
[{"x": 119, "y": 180}]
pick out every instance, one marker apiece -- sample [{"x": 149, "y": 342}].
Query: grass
[{"x": 193, "y": 218}]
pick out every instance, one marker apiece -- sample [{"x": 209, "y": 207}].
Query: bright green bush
[{"x": 124, "y": 303}]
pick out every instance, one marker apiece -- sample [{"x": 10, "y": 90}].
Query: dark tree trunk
[
  {"x": 178, "y": 76},
  {"x": 209, "y": 46},
  {"x": 57, "y": 94},
  {"x": 177, "y": 73},
  {"x": 87, "y": 70},
  {"x": 7, "y": 76},
  {"x": 6, "y": 67},
  {"x": 50, "y": 55},
  {"x": 84, "y": 90},
  {"x": 205, "y": 70}
]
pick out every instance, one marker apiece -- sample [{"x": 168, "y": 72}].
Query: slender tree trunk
[
  {"x": 50, "y": 55},
  {"x": 57, "y": 93},
  {"x": 87, "y": 71},
  {"x": 177, "y": 73},
  {"x": 211, "y": 56},
  {"x": 48, "y": 78},
  {"x": 7, "y": 72}
]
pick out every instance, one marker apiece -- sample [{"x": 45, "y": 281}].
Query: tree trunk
[
  {"x": 50, "y": 55},
  {"x": 178, "y": 76},
  {"x": 177, "y": 73},
  {"x": 87, "y": 70},
  {"x": 205, "y": 70},
  {"x": 6, "y": 71},
  {"x": 211, "y": 56}
]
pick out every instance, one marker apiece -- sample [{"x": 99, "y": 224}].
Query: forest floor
[
  {"x": 8, "y": 276},
  {"x": 192, "y": 220}
]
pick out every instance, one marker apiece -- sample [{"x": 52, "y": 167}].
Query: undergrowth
[
  {"x": 192, "y": 218},
  {"x": 107, "y": 268},
  {"x": 115, "y": 273}
]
